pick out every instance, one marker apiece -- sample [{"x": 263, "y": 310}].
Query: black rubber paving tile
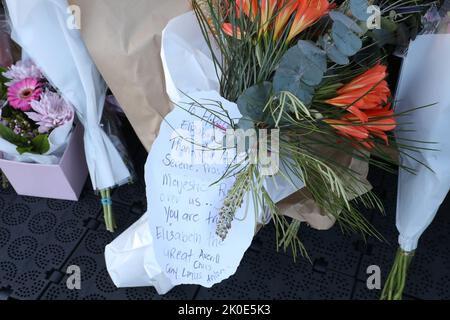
[
  {"x": 36, "y": 237},
  {"x": 361, "y": 292},
  {"x": 132, "y": 193},
  {"x": 378, "y": 252},
  {"x": 40, "y": 238},
  {"x": 429, "y": 275},
  {"x": 95, "y": 281},
  {"x": 330, "y": 250},
  {"x": 266, "y": 274}
]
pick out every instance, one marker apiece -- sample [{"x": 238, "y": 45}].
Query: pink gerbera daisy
[{"x": 22, "y": 93}]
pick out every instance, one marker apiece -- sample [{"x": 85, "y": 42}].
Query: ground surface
[{"x": 40, "y": 238}]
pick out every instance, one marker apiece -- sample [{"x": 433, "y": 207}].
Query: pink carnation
[
  {"x": 50, "y": 112},
  {"x": 22, "y": 93},
  {"x": 22, "y": 70}
]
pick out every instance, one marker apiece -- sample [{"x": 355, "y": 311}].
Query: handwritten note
[{"x": 184, "y": 163}]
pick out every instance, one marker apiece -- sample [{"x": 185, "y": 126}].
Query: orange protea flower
[
  {"x": 249, "y": 7},
  {"x": 268, "y": 8},
  {"x": 348, "y": 129},
  {"x": 286, "y": 9},
  {"x": 367, "y": 91},
  {"x": 308, "y": 12},
  {"x": 379, "y": 122},
  {"x": 232, "y": 31}
]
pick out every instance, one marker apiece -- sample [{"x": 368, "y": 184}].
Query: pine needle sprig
[{"x": 233, "y": 201}]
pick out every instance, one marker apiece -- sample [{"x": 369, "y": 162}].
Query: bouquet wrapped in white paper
[
  {"x": 49, "y": 33},
  {"x": 424, "y": 81}
]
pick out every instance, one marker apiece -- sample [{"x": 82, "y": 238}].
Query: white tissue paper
[{"x": 425, "y": 80}]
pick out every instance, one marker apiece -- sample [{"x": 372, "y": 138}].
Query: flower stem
[
  {"x": 107, "y": 210},
  {"x": 110, "y": 211},
  {"x": 396, "y": 281}
]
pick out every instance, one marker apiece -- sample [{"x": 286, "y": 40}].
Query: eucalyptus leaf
[
  {"x": 345, "y": 40},
  {"x": 314, "y": 54},
  {"x": 245, "y": 124},
  {"x": 301, "y": 69},
  {"x": 333, "y": 53},
  {"x": 336, "y": 56},
  {"x": 347, "y": 21},
  {"x": 359, "y": 9},
  {"x": 252, "y": 101}
]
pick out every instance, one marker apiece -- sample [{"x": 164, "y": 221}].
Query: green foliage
[
  {"x": 37, "y": 145},
  {"x": 3, "y": 88},
  {"x": 349, "y": 23},
  {"x": 40, "y": 144},
  {"x": 303, "y": 76},
  {"x": 332, "y": 51},
  {"x": 9, "y": 135},
  {"x": 252, "y": 101},
  {"x": 358, "y": 9},
  {"x": 301, "y": 70},
  {"x": 344, "y": 40},
  {"x": 347, "y": 42},
  {"x": 396, "y": 281}
]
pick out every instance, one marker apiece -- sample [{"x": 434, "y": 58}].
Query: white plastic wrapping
[
  {"x": 425, "y": 79},
  {"x": 41, "y": 28},
  {"x": 130, "y": 259}
]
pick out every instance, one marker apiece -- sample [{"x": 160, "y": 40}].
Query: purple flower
[
  {"x": 22, "y": 70},
  {"x": 50, "y": 112}
]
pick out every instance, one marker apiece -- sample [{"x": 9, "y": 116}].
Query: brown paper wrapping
[
  {"x": 301, "y": 205},
  {"x": 124, "y": 39}
]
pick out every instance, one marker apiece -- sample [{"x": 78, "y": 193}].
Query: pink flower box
[{"x": 61, "y": 181}]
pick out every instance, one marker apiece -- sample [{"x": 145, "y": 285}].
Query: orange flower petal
[
  {"x": 285, "y": 10},
  {"x": 231, "y": 30},
  {"x": 308, "y": 12}
]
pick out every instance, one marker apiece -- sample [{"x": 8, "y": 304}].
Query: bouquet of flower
[
  {"x": 73, "y": 72},
  {"x": 427, "y": 56},
  {"x": 314, "y": 71},
  {"x": 32, "y": 110},
  {"x": 35, "y": 121}
]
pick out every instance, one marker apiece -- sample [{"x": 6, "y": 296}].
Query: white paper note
[{"x": 184, "y": 204}]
